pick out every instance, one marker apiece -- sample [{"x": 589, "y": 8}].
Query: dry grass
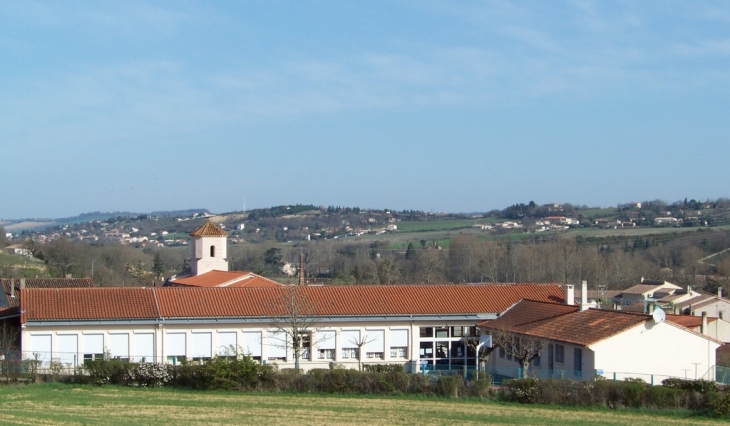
[{"x": 69, "y": 405}]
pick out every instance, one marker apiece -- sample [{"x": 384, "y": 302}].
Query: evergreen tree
[{"x": 158, "y": 268}]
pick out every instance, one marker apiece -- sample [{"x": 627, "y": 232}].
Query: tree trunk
[{"x": 525, "y": 364}]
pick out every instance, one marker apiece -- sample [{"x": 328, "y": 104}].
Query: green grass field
[{"x": 57, "y": 404}]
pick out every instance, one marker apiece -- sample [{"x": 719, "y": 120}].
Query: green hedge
[{"x": 675, "y": 394}]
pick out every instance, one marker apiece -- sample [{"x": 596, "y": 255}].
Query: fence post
[
  {"x": 614, "y": 376},
  {"x": 652, "y": 380}
]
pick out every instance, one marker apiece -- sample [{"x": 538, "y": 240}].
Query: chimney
[
  {"x": 676, "y": 310},
  {"x": 703, "y": 327},
  {"x": 301, "y": 268},
  {"x": 569, "y": 294},
  {"x": 69, "y": 276},
  {"x": 689, "y": 290},
  {"x": 650, "y": 307},
  {"x": 584, "y": 296},
  {"x": 719, "y": 291},
  {"x": 12, "y": 288},
  {"x": 22, "y": 283},
  {"x": 720, "y": 314}
]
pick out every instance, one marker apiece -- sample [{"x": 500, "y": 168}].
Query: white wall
[
  {"x": 663, "y": 350},
  {"x": 161, "y": 353}
]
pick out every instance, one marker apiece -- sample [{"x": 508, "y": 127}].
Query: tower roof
[{"x": 208, "y": 229}]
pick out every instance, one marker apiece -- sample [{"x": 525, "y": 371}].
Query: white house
[{"x": 581, "y": 344}]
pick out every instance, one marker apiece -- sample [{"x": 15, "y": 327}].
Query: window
[
  {"x": 501, "y": 352},
  {"x": 349, "y": 353},
  {"x": 92, "y": 357},
  {"x": 398, "y": 352},
  {"x": 374, "y": 355},
  {"x": 399, "y": 343},
  {"x": 560, "y": 353},
  {"x": 536, "y": 361},
  {"x": 578, "y": 361},
  {"x": 442, "y": 332},
  {"x": 426, "y": 331},
  {"x": 426, "y": 350},
  {"x": 349, "y": 339},
  {"x": 457, "y": 331},
  {"x": 212, "y": 251},
  {"x": 442, "y": 349},
  {"x": 457, "y": 349},
  {"x": 175, "y": 360},
  {"x": 326, "y": 354},
  {"x": 305, "y": 344}
]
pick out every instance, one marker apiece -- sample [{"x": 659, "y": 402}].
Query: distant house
[{"x": 19, "y": 250}]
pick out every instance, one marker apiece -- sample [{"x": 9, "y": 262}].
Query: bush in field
[
  {"x": 702, "y": 386},
  {"x": 109, "y": 371},
  {"x": 719, "y": 403},
  {"x": 450, "y": 386},
  {"x": 383, "y": 368},
  {"x": 150, "y": 375},
  {"x": 238, "y": 373}
]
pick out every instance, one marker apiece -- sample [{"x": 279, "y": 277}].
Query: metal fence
[{"x": 500, "y": 374}]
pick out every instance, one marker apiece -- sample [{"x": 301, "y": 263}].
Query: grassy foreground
[{"x": 81, "y": 405}]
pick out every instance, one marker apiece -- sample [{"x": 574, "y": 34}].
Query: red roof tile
[
  {"x": 196, "y": 302},
  {"x": 556, "y": 322},
  {"x": 41, "y": 283},
  {"x": 689, "y": 321},
  {"x": 208, "y": 229},
  {"x": 88, "y": 304},
  {"x": 225, "y": 279}
]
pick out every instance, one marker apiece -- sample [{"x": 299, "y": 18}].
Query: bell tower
[{"x": 209, "y": 249}]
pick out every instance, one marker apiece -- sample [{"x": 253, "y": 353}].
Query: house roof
[
  {"x": 689, "y": 321},
  {"x": 646, "y": 288},
  {"x": 39, "y": 283},
  {"x": 208, "y": 229},
  {"x": 196, "y": 302},
  {"x": 564, "y": 323},
  {"x": 217, "y": 278},
  {"x": 697, "y": 301},
  {"x": 88, "y": 304}
]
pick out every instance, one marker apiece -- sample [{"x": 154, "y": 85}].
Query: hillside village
[
  {"x": 654, "y": 329},
  {"x": 308, "y": 222}
]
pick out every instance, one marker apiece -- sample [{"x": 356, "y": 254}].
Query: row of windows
[{"x": 448, "y": 332}]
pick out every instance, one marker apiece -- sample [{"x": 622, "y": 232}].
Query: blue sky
[{"x": 444, "y": 106}]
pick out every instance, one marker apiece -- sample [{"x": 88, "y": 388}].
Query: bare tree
[
  {"x": 9, "y": 344},
  {"x": 482, "y": 353},
  {"x": 360, "y": 342},
  {"x": 521, "y": 347},
  {"x": 297, "y": 322}
]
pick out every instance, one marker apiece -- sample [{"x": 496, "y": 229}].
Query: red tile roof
[
  {"x": 564, "y": 323},
  {"x": 87, "y": 304},
  {"x": 208, "y": 229},
  {"x": 192, "y": 302},
  {"x": 225, "y": 279},
  {"x": 689, "y": 321},
  {"x": 41, "y": 283}
]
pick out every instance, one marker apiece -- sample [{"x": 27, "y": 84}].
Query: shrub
[
  {"x": 449, "y": 386},
  {"x": 239, "y": 373},
  {"x": 480, "y": 388},
  {"x": 523, "y": 390},
  {"x": 149, "y": 374},
  {"x": 701, "y": 386},
  {"x": 383, "y": 368},
  {"x": 109, "y": 371},
  {"x": 719, "y": 403}
]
